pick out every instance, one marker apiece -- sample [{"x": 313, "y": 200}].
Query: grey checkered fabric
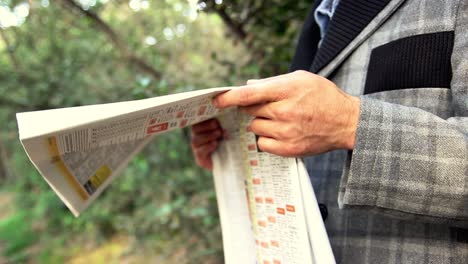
[{"x": 401, "y": 196}]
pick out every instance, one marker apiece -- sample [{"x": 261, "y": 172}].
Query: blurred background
[{"x": 60, "y": 53}]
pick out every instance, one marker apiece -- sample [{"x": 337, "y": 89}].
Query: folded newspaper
[{"x": 268, "y": 210}]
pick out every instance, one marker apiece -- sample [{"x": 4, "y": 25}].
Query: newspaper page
[
  {"x": 318, "y": 238},
  {"x": 261, "y": 203},
  {"x": 80, "y": 150}
]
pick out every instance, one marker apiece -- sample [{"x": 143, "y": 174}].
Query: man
[{"x": 383, "y": 125}]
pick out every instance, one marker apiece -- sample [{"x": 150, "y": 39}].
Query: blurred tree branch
[
  {"x": 238, "y": 24},
  {"x": 237, "y": 16},
  {"x": 5, "y": 172},
  {"x": 267, "y": 28},
  {"x": 254, "y": 12},
  {"x": 249, "y": 10},
  {"x": 236, "y": 28},
  {"x": 136, "y": 61},
  {"x": 8, "y": 103}
]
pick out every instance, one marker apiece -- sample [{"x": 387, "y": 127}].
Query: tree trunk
[{"x": 5, "y": 172}]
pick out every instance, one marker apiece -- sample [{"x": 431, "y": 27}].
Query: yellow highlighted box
[
  {"x": 100, "y": 176},
  {"x": 62, "y": 168}
]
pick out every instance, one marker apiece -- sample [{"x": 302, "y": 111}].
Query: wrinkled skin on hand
[{"x": 297, "y": 114}]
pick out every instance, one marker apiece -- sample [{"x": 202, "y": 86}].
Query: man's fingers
[
  {"x": 254, "y": 81},
  {"x": 203, "y": 154},
  {"x": 203, "y": 138},
  {"x": 208, "y": 125},
  {"x": 206, "y": 149},
  {"x": 274, "y": 146},
  {"x": 264, "y": 127},
  {"x": 260, "y": 93},
  {"x": 204, "y": 141},
  {"x": 262, "y": 110}
]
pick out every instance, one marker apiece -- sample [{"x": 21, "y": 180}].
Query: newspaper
[{"x": 268, "y": 210}]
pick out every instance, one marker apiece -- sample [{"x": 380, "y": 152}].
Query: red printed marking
[
  {"x": 280, "y": 211},
  {"x": 271, "y": 219},
  {"x": 180, "y": 114},
  {"x": 262, "y": 223},
  {"x": 269, "y": 200},
  {"x": 183, "y": 122},
  {"x": 201, "y": 110},
  {"x": 157, "y": 128},
  {"x": 256, "y": 181},
  {"x": 266, "y": 262},
  {"x": 264, "y": 244},
  {"x": 290, "y": 208},
  {"x": 275, "y": 261},
  {"x": 254, "y": 163},
  {"x": 252, "y": 147},
  {"x": 259, "y": 199},
  {"x": 256, "y": 241},
  {"x": 274, "y": 243}
]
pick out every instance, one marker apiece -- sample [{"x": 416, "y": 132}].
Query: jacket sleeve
[{"x": 410, "y": 163}]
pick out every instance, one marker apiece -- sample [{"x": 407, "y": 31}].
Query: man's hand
[
  {"x": 297, "y": 114},
  {"x": 205, "y": 140}
]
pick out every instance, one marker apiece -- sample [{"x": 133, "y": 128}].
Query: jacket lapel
[
  {"x": 352, "y": 23},
  {"x": 308, "y": 42}
]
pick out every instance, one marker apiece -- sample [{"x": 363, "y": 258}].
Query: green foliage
[
  {"x": 268, "y": 29},
  {"x": 61, "y": 57},
  {"x": 16, "y": 230}
]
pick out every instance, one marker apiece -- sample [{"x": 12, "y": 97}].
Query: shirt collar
[{"x": 324, "y": 13}]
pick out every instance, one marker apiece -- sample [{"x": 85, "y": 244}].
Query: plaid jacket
[{"x": 401, "y": 196}]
